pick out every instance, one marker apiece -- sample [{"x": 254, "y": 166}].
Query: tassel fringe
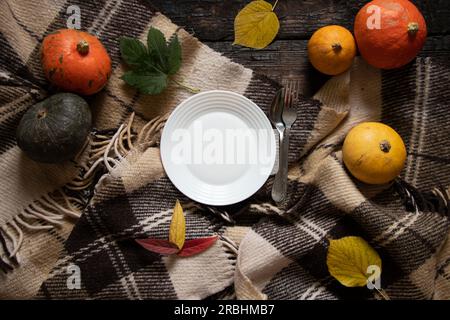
[
  {"x": 107, "y": 148},
  {"x": 414, "y": 200}
]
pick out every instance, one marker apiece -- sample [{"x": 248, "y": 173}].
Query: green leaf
[
  {"x": 151, "y": 66},
  {"x": 133, "y": 51},
  {"x": 157, "y": 47},
  {"x": 145, "y": 81},
  {"x": 174, "y": 55}
]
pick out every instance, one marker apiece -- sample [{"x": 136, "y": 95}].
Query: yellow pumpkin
[
  {"x": 331, "y": 50},
  {"x": 374, "y": 153}
]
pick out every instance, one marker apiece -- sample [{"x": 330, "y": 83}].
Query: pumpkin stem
[
  {"x": 385, "y": 146},
  {"x": 83, "y": 47},
  {"x": 41, "y": 114},
  {"x": 336, "y": 47},
  {"x": 413, "y": 28}
]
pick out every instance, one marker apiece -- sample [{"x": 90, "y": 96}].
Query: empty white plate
[{"x": 218, "y": 147}]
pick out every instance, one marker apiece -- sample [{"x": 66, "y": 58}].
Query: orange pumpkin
[
  {"x": 75, "y": 61},
  {"x": 331, "y": 50},
  {"x": 390, "y": 33}
]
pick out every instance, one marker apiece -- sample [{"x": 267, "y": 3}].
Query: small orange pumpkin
[
  {"x": 390, "y": 33},
  {"x": 331, "y": 50},
  {"x": 75, "y": 61}
]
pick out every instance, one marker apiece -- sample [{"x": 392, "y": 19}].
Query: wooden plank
[
  {"x": 282, "y": 60},
  {"x": 212, "y": 20},
  {"x": 288, "y": 59}
]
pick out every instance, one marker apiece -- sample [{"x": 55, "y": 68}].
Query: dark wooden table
[{"x": 286, "y": 58}]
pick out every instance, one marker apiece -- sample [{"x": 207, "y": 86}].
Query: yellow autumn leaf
[
  {"x": 256, "y": 25},
  {"x": 348, "y": 259},
  {"x": 177, "y": 231}
]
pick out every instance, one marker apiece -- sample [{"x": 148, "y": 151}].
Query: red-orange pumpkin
[
  {"x": 75, "y": 61},
  {"x": 390, "y": 33}
]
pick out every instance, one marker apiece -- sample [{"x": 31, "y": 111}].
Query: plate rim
[{"x": 164, "y": 139}]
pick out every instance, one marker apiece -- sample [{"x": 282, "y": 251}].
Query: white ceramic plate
[{"x": 218, "y": 147}]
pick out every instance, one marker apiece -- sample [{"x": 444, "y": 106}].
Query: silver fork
[{"x": 289, "y": 116}]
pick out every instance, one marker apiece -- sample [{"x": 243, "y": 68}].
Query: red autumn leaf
[
  {"x": 196, "y": 246},
  {"x": 158, "y": 246}
]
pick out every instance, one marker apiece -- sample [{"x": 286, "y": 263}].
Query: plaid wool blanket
[{"x": 116, "y": 190}]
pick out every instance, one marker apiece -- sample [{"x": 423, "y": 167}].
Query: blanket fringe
[
  {"x": 222, "y": 214},
  {"x": 231, "y": 250},
  {"x": 230, "y": 247},
  {"x": 107, "y": 148},
  {"x": 437, "y": 200},
  {"x": 149, "y": 134}
]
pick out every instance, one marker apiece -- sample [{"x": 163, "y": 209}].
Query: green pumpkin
[{"x": 55, "y": 129}]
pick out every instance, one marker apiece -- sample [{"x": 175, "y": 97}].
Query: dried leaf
[
  {"x": 158, "y": 246},
  {"x": 177, "y": 226},
  {"x": 256, "y": 25},
  {"x": 196, "y": 246},
  {"x": 177, "y": 243},
  {"x": 348, "y": 259}
]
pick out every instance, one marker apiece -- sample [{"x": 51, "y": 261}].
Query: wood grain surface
[{"x": 286, "y": 58}]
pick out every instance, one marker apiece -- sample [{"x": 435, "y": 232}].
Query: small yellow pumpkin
[
  {"x": 374, "y": 153},
  {"x": 331, "y": 50}
]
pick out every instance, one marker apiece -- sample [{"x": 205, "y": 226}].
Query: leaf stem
[
  {"x": 156, "y": 68},
  {"x": 190, "y": 89},
  {"x": 274, "y": 6},
  {"x": 383, "y": 294}
]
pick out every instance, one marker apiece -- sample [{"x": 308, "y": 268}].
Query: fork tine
[
  {"x": 294, "y": 89},
  {"x": 290, "y": 97},
  {"x": 288, "y": 94},
  {"x": 285, "y": 96}
]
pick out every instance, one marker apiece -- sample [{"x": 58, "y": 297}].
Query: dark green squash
[{"x": 55, "y": 129}]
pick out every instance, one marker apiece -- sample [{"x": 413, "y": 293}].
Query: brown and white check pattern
[{"x": 264, "y": 251}]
